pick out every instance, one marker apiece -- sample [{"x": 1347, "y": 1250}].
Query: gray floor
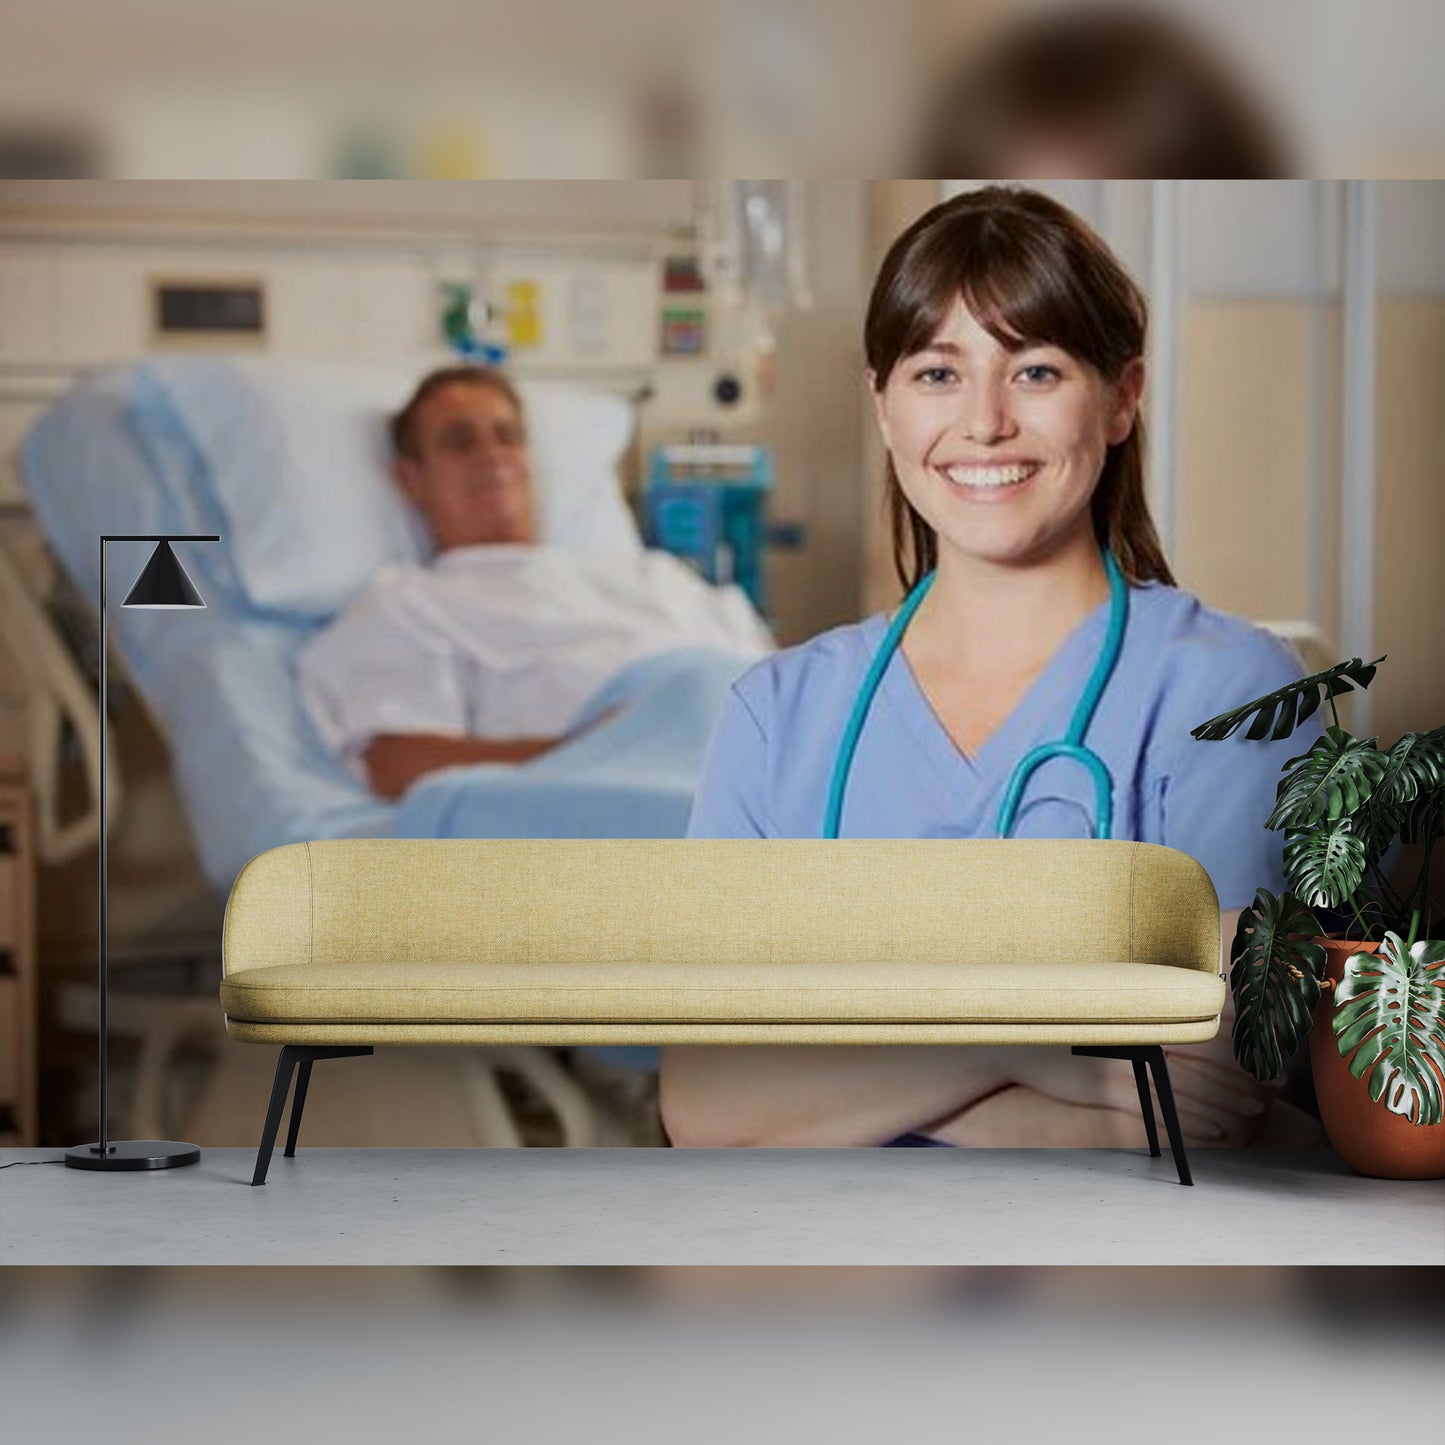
[{"x": 704, "y": 1206}]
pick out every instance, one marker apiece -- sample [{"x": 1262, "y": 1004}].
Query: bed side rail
[{"x": 55, "y": 691}]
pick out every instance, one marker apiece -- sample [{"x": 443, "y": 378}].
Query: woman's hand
[
  {"x": 1218, "y": 1105},
  {"x": 1069, "y": 1101},
  {"x": 1020, "y": 1118},
  {"x": 1081, "y": 1101}
]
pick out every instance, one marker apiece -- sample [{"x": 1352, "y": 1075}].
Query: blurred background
[
  {"x": 637, "y": 1355},
  {"x": 454, "y": 89}
]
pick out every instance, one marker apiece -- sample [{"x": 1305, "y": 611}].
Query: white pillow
[{"x": 296, "y": 454}]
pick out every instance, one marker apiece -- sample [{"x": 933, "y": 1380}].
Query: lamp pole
[
  {"x": 162, "y": 585},
  {"x": 104, "y": 871}
]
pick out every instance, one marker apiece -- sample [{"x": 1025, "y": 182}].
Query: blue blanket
[{"x": 630, "y": 776}]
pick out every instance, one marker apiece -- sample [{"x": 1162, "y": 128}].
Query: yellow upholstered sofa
[{"x": 332, "y": 948}]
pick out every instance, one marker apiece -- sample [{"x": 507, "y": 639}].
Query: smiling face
[
  {"x": 468, "y": 471},
  {"x": 999, "y": 449}
]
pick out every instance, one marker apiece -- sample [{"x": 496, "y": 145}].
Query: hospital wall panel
[
  {"x": 27, "y": 305},
  {"x": 1412, "y": 237},
  {"x": 1260, "y": 489},
  {"x": 394, "y": 305},
  {"x": 813, "y": 424},
  {"x": 1260, "y": 239},
  {"x": 1410, "y": 517},
  {"x": 1245, "y": 456},
  {"x": 100, "y": 309},
  {"x": 310, "y": 307}
]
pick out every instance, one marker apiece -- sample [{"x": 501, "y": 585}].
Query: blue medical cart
[{"x": 707, "y": 503}]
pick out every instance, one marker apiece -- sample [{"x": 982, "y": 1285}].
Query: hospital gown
[
  {"x": 505, "y": 641},
  {"x": 771, "y": 756}
]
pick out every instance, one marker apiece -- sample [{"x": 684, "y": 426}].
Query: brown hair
[
  {"x": 1148, "y": 93},
  {"x": 1030, "y": 271},
  {"x": 403, "y": 425}
]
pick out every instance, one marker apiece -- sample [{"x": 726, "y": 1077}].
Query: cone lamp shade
[{"x": 164, "y": 583}]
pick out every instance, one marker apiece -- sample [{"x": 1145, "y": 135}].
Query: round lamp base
[{"x": 133, "y": 1154}]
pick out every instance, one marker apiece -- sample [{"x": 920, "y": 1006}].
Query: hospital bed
[{"x": 285, "y": 461}]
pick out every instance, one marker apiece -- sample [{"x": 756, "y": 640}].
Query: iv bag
[{"x": 756, "y": 243}]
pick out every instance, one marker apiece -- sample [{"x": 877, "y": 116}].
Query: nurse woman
[{"x": 1039, "y": 681}]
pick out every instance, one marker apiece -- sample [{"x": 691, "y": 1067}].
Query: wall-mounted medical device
[
  {"x": 749, "y": 264},
  {"x": 690, "y": 314},
  {"x": 707, "y": 503},
  {"x": 704, "y": 358}
]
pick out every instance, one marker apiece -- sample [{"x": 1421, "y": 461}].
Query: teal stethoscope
[{"x": 1070, "y": 746}]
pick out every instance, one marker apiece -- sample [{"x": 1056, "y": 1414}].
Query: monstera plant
[{"x": 1341, "y": 806}]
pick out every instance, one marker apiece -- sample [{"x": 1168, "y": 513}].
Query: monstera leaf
[
  {"x": 1415, "y": 764},
  {"x": 1275, "y": 979},
  {"x": 1277, "y": 714},
  {"x": 1416, "y": 777},
  {"x": 1390, "y": 1012},
  {"x": 1325, "y": 865},
  {"x": 1338, "y": 775}
]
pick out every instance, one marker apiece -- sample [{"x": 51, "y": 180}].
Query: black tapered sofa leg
[
  {"x": 280, "y": 1087},
  {"x": 1162, "y": 1087},
  {"x": 298, "y": 1103},
  {"x": 1153, "y": 1056},
  {"x": 1146, "y": 1104},
  {"x": 291, "y": 1056}
]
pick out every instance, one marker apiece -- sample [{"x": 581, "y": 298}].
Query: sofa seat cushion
[{"x": 416, "y": 993}]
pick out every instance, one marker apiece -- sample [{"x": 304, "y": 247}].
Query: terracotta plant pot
[{"x": 1365, "y": 1134}]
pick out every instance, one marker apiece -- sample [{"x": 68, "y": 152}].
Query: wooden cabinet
[{"x": 19, "y": 1033}]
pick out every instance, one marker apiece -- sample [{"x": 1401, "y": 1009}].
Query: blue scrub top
[{"x": 772, "y": 751}]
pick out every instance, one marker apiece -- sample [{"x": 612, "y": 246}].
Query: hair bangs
[
  {"x": 1025, "y": 289},
  {"x": 1022, "y": 287}
]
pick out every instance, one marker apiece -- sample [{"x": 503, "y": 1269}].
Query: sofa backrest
[{"x": 386, "y": 902}]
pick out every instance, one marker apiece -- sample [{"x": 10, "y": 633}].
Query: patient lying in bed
[{"x": 487, "y": 653}]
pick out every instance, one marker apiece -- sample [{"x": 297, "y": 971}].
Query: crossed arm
[{"x": 976, "y": 1095}]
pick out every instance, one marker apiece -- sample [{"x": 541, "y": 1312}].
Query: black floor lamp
[{"x": 162, "y": 585}]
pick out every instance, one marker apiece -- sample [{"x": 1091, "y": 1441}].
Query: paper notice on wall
[
  {"x": 524, "y": 314},
  {"x": 588, "y": 316}
]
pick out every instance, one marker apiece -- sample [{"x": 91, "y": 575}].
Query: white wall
[{"x": 1281, "y": 239}]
